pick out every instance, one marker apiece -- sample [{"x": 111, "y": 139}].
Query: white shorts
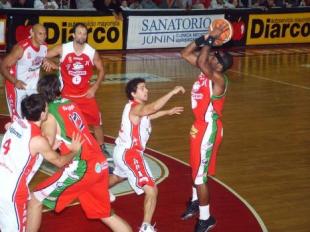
[
  {"x": 130, "y": 164},
  {"x": 12, "y": 216}
]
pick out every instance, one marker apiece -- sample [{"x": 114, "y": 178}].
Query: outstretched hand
[
  {"x": 176, "y": 110},
  {"x": 178, "y": 89},
  {"x": 48, "y": 65}
]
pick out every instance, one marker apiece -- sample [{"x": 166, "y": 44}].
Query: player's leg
[
  {"x": 116, "y": 223},
  {"x": 34, "y": 214}
]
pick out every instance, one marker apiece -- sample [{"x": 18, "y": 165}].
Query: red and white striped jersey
[
  {"x": 27, "y": 68},
  {"x": 133, "y": 135},
  {"x": 76, "y": 70},
  {"x": 17, "y": 164}
]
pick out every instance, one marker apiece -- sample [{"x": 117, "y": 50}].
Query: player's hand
[
  {"x": 178, "y": 89},
  {"x": 76, "y": 142},
  {"x": 91, "y": 92},
  {"x": 176, "y": 110},
  {"x": 20, "y": 84},
  {"x": 49, "y": 65},
  {"x": 218, "y": 30}
]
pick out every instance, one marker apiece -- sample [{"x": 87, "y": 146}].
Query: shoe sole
[
  {"x": 188, "y": 216},
  {"x": 210, "y": 228}
]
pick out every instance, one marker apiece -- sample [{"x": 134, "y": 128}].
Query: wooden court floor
[{"x": 265, "y": 155}]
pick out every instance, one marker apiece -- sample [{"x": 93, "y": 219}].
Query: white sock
[
  {"x": 194, "y": 196},
  {"x": 204, "y": 212}
]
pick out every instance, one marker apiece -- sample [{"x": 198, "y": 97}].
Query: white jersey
[
  {"x": 27, "y": 68},
  {"x": 17, "y": 164},
  {"x": 133, "y": 135}
]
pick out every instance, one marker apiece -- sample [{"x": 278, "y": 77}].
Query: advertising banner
[
  {"x": 2, "y": 32},
  {"x": 104, "y": 32},
  {"x": 166, "y": 31},
  {"x": 278, "y": 28}
]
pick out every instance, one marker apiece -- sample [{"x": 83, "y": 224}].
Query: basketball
[{"x": 226, "y": 35}]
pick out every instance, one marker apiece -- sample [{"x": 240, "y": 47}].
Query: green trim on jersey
[
  {"x": 226, "y": 86},
  {"x": 76, "y": 170}
]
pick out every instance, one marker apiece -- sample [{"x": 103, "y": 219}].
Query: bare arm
[
  {"x": 188, "y": 53},
  {"x": 148, "y": 109},
  {"x": 100, "y": 75},
  {"x": 49, "y": 129},
  {"x": 172, "y": 111},
  {"x": 8, "y": 62},
  {"x": 55, "y": 51},
  {"x": 39, "y": 144}
]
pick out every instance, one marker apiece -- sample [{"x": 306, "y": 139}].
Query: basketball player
[
  {"x": 21, "y": 68},
  {"x": 208, "y": 96},
  {"x": 21, "y": 154},
  {"x": 85, "y": 178},
  {"x": 130, "y": 144},
  {"x": 77, "y": 59}
]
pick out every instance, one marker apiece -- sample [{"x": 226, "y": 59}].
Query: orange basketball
[{"x": 226, "y": 35}]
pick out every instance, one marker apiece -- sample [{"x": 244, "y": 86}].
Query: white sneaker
[
  {"x": 112, "y": 196},
  {"x": 146, "y": 227}
]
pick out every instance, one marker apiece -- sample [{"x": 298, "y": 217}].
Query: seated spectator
[
  {"x": 45, "y": 4},
  {"x": 291, "y": 3},
  {"x": 109, "y": 6},
  {"x": 5, "y": 4},
  {"x": 232, "y": 4},
  {"x": 148, "y": 4},
  {"x": 201, "y": 4},
  {"x": 23, "y": 4},
  {"x": 85, "y": 4},
  {"x": 135, "y": 5},
  {"x": 304, "y": 3},
  {"x": 217, "y": 4},
  {"x": 168, "y": 4}
]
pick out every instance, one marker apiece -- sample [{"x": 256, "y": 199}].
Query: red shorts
[
  {"x": 89, "y": 187},
  {"x": 89, "y": 108},
  {"x": 205, "y": 139}
]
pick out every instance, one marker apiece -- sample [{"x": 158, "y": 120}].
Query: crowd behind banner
[{"x": 122, "y": 28}]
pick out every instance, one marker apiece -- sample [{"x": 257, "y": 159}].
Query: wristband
[{"x": 202, "y": 41}]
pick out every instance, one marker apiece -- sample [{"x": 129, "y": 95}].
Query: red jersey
[
  {"x": 71, "y": 120},
  {"x": 76, "y": 70},
  {"x": 205, "y": 105}
]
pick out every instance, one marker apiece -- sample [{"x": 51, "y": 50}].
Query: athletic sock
[
  {"x": 204, "y": 212},
  {"x": 194, "y": 196}
]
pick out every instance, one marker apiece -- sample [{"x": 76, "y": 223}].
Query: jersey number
[{"x": 6, "y": 146}]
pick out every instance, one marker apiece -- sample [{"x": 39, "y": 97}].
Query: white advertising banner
[{"x": 166, "y": 31}]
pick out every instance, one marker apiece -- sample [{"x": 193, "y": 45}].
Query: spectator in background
[
  {"x": 85, "y": 4},
  {"x": 304, "y": 3},
  {"x": 23, "y": 4},
  {"x": 201, "y": 4},
  {"x": 109, "y": 6},
  {"x": 217, "y": 4},
  {"x": 45, "y": 4},
  {"x": 5, "y": 4},
  {"x": 232, "y": 4},
  {"x": 148, "y": 4}
]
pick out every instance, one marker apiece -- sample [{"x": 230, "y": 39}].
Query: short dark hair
[
  {"x": 79, "y": 25},
  {"x": 32, "y": 106},
  {"x": 225, "y": 59},
  {"x": 132, "y": 86},
  {"x": 49, "y": 87}
]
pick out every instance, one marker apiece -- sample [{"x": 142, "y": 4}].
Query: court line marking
[
  {"x": 166, "y": 174},
  {"x": 253, "y": 211},
  {"x": 268, "y": 79}
]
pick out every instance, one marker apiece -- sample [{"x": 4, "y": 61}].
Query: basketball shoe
[
  {"x": 205, "y": 225},
  {"x": 191, "y": 210},
  {"x": 146, "y": 227}
]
